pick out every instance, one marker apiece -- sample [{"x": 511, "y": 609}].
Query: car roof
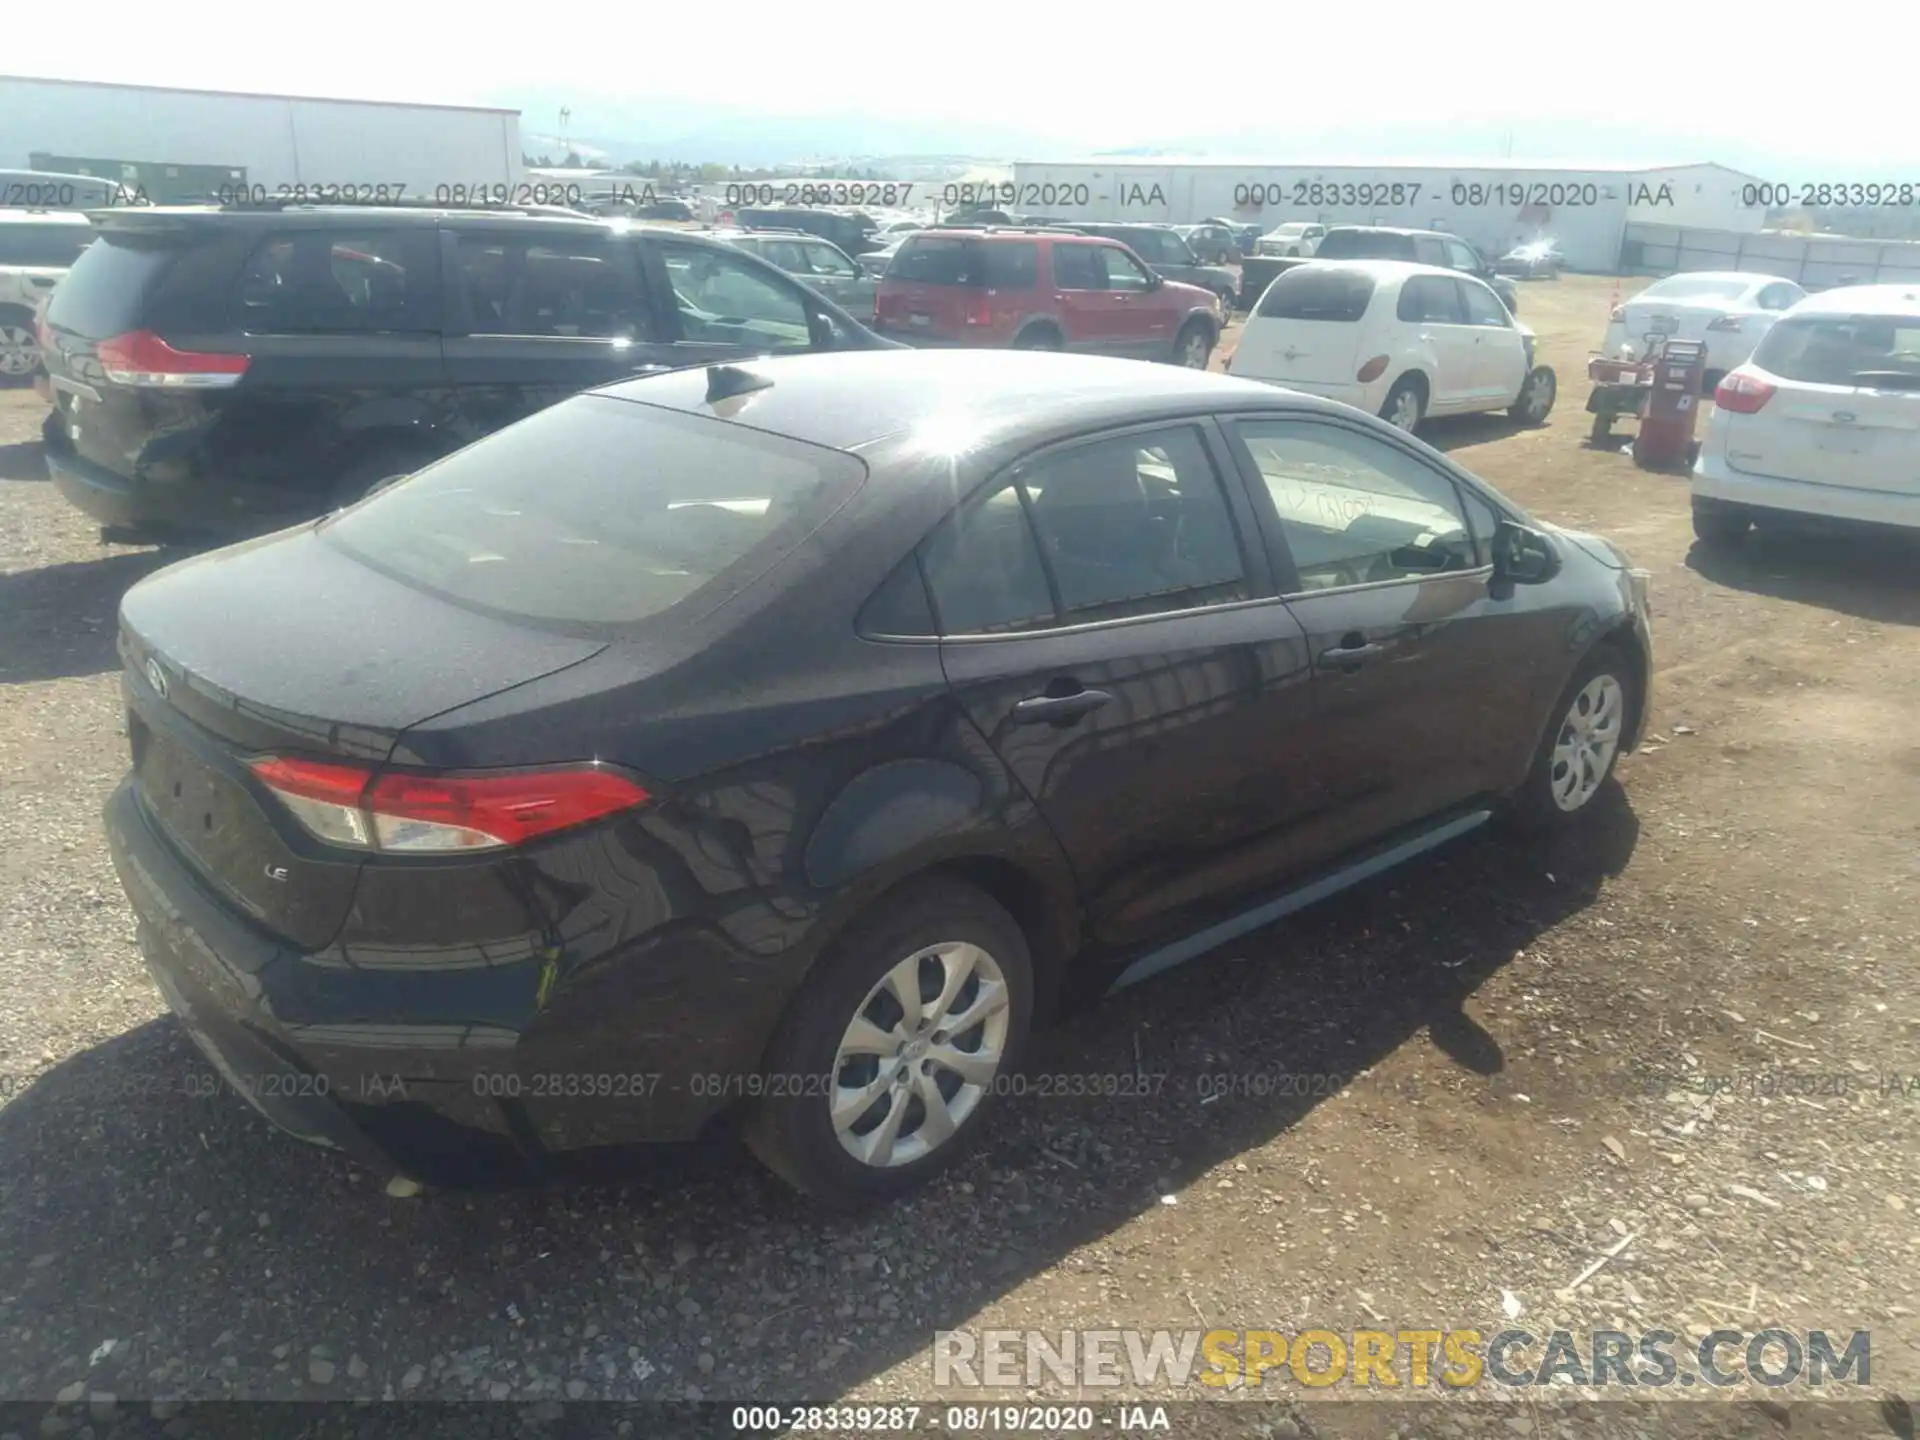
[
  {"x": 1751, "y": 277},
  {"x": 358, "y": 217},
  {"x": 1863, "y": 300},
  {"x": 852, "y": 399},
  {"x": 1382, "y": 270},
  {"x": 1392, "y": 230},
  {"x": 30, "y": 216}
]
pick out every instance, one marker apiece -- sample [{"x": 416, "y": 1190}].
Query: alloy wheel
[
  {"x": 19, "y": 351},
  {"x": 1540, "y": 389},
  {"x": 1405, "y": 413},
  {"x": 1588, "y": 739},
  {"x": 920, "y": 1054},
  {"x": 1194, "y": 351}
]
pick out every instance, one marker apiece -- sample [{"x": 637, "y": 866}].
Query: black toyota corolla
[{"x": 783, "y": 742}]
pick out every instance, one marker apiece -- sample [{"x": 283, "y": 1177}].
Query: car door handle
[
  {"x": 1058, "y": 709},
  {"x": 1348, "y": 657}
]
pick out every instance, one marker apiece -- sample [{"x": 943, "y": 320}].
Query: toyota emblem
[{"x": 157, "y": 678}]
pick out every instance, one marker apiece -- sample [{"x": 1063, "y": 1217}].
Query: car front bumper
[
  {"x": 1715, "y": 480},
  {"x": 443, "y": 1077}
]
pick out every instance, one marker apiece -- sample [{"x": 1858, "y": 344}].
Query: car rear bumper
[
  {"x": 195, "y": 504},
  {"x": 439, "y": 1075},
  {"x": 1714, "y": 479},
  {"x": 1362, "y": 397}
]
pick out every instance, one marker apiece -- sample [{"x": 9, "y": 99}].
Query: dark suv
[
  {"x": 234, "y": 370},
  {"x": 1042, "y": 290}
]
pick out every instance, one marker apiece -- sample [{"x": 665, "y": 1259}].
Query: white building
[
  {"x": 205, "y": 136},
  {"x": 1493, "y": 204}
]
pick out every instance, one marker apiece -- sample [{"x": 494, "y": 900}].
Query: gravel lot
[{"x": 1529, "y": 1046}]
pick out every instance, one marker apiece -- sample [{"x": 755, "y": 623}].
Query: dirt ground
[{"x": 1694, "y": 1030}]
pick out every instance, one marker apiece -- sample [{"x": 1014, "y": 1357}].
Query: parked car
[
  {"x": 1169, "y": 255},
  {"x": 816, "y": 263},
  {"x": 874, "y": 263},
  {"x": 1822, "y": 420},
  {"x": 1296, "y": 237},
  {"x": 1042, "y": 290},
  {"x": 821, "y": 727},
  {"x": 1728, "y": 310},
  {"x": 1401, "y": 341},
  {"x": 1420, "y": 247},
  {"x": 1211, "y": 244},
  {"x": 232, "y": 370},
  {"x": 1536, "y": 260},
  {"x": 37, "y": 248},
  {"x": 852, "y": 230}
]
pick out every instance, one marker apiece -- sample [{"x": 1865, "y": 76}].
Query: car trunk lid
[{"x": 289, "y": 646}]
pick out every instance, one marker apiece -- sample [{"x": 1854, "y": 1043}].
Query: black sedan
[{"x": 783, "y": 743}]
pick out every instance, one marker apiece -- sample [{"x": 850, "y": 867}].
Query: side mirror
[
  {"x": 1522, "y": 556},
  {"x": 1155, "y": 280}
]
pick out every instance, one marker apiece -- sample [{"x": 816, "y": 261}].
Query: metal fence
[{"x": 1817, "y": 262}]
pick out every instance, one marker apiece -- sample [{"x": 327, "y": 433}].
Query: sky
[{"x": 1728, "y": 84}]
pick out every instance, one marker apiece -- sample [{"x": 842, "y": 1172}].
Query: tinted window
[
  {"x": 325, "y": 282},
  {"x": 900, "y": 606},
  {"x": 1482, "y": 519},
  {"x": 1123, "y": 271},
  {"x": 102, "y": 295},
  {"x": 1011, "y": 264},
  {"x": 1483, "y": 306},
  {"x": 1134, "y": 525},
  {"x": 1431, "y": 300},
  {"x": 1355, "y": 510},
  {"x": 51, "y": 246},
  {"x": 1842, "y": 349},
  {"x": 1077, "y": 267},
  {"x": 1460, "y": 257},
  {"x": 826, "y": 260},
  {"x": 1314, "y": 292},
  {"x": 984, "y": 569},
  {"x": 938, "y": 260},
  {"x": 726, "y": 299},
  {"x": 573, "y": 287},
  {"x": 599, "y": 512}
]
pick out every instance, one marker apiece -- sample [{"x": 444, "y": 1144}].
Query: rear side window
[
  {"x": 1431, "y": 300},
  {"x": 1313, "y": 292},
  {"x": 53, "y": 247},
  {"x": 571, "y": 287},
  {"x": 104, "y": 292},
  {"x": 939, "y": 260},
  {"x": 984, "y": 568},
  {"x": 599, "y": 513},
  {"x": 330, "y": 282},
  {"x": 1880, "y": 351},
  {"x": 1078, "y": 267}
]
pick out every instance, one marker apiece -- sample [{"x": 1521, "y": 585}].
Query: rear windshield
[
  {"x": 941, "y": 260},
  {"x": 1315, "y": 292},
  {"x": 1680, "y": 287},
  {"x": 102, "y": 295},
  {"x": 52, "y": 247},
  {"x": 1867, "y": 350},
  {"x": 1364, "y": 245},
  {"x": 599, "y": 513}
]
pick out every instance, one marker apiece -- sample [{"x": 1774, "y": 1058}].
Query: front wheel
[
  {"x": 1535, "y": 401},
  {"x": 897, "y": 1047},
  {"x": 1577, "y": 753},
  {"x": 1194, "y": 347}
]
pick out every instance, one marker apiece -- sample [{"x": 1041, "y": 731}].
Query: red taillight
[
  {"x": 143, "y": 358},
  {"x": 979, "y": 312},
  {"x": 423, "y": 814},
  {"x": 1725, "y": 322},
  {"x": 1372, "y": 370},
  {"x": 1743, "y": 394}
]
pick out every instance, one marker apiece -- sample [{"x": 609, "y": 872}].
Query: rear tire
[
  {"x": 1406, "y": 404},
  {"x": 1718, "y": 525},
  {"x": 19, "y": 347},
  {"x": 849, "y": 1000}
]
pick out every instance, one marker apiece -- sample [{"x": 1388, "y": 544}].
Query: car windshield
[
  {"x": 599, "y": 512},
  {"x": 1697, "y": 287},
  {"x": 1870, "y": 351},
  {"x": 1289, "y": 230}
]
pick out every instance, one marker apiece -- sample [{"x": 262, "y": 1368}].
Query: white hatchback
[
  {"x": 1401, "y": 341},
  {"x": 1824, "y": 420},
  {"x": 1729, "y": 310}
]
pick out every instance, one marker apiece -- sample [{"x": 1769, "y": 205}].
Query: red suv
[{"x": 1042, "y": 290}]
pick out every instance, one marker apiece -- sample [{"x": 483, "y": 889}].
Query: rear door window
[
  {"x": 1867, "y": 351},
  {"x": 1431, "y": 300},
  {"x": 599, "y": 513},
  {"x": 333, "y": 282},
  {"x": 582, "y": 287},
  {"x": 1316, "y": 292},
  {"x": 1011, "y": 264},
  {"x": 1077, "y": 267}
]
